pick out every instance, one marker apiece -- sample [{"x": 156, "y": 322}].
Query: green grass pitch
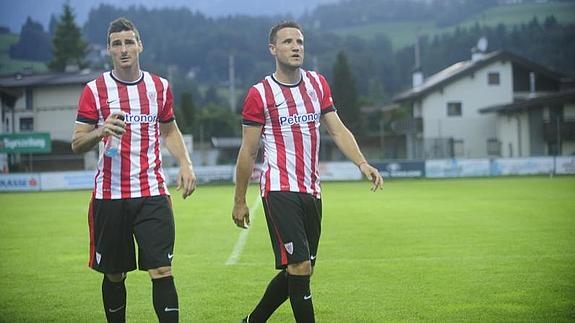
[{"x": 498, "y": 249}]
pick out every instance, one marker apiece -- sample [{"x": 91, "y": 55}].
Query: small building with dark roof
[{"x": 45, "y": 103}]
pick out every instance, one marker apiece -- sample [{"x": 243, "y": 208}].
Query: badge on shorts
[
  {"x": 289, "y": 247},
  {"x": 98, "y": 257}
]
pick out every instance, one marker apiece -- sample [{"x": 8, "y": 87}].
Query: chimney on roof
[
  {"x": 532, "y": 84},
  {"x": 417, "y": 77}
]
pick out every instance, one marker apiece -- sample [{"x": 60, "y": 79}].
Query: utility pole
[{"x": 232, "y": 83}]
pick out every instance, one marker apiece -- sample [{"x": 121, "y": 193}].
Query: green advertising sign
[{"x": 32, "y": 142}]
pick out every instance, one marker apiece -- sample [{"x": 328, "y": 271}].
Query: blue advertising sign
[{"x": 400, "y": 169}]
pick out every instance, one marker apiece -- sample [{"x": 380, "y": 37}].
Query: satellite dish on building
[{"x": 482, "y": 44}]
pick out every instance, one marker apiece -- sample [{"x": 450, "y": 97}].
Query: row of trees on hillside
[
  {"x": 63, "y": 45},
  {"x": 359, "y": 12},
  {"x": 34, "y": 43},
  {"x": 201, "y": 45},
  {"x": 197, "y": 46},
  {"x": 548, "y": 43},
  {"x": 180, "y": 43}
]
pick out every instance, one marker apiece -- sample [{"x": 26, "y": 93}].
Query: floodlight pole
[
  {"x": 232, "y": 84},
  {"x": 558, "y": 151}
]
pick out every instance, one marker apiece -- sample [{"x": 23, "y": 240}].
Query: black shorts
[
  {"x": 114, "y": 224},
  {"x": 294, "y": 224}
]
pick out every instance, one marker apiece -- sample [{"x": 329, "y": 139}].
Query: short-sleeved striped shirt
[
  {"x": 290, "y": 116},
  {"x": 137, "y": 170}
]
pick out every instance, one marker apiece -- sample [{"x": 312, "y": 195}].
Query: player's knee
[
  {"x": 116, "y": 278},
  {"x": 160, "y": 272},
  {"x": 300, "y": 269}
]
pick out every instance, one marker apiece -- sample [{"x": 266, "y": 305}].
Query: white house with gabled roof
[{"x": 449, "y": 107}]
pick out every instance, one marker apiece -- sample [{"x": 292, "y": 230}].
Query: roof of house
[
  {"x": 566, "y": 96},
  {"x": 24, "y": 80},
  {"x": 464, "y": 68}
]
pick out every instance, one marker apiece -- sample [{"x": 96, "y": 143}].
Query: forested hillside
[
  {"x": 202, "y": 45},
  {"x": 194, "y": 49}
]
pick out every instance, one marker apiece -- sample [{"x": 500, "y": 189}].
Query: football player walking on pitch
[
  {"x": 130, "y": 198},
  {"x": 284, "y": 110}
]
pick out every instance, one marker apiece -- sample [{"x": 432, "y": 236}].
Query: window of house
[
  {"x": 493, "y": 147},
  {"x": 458, "y": 148},
  {"x": 493, "y": 78},
  {"x": 453, "y": 109},
  {"x": 26, "y": 124}
]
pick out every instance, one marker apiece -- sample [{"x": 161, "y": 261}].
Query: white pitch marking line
[{"x": 243, "y": 237}]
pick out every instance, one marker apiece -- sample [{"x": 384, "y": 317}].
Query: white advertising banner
[
  {"x": 522, "y": 166},
  {"x": 73, "y": 180},
  {"x": 204, "y": 174},
  {"x": 565, "y": 165},
  {"x": 457, "y": 168},
  {"x": 19, "y": 182},
  {"x": 339, "y": 171}
]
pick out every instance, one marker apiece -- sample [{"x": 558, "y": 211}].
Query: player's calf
[
  {"x": 164, "y": 295},
  {"x": 114, "y": 297}
]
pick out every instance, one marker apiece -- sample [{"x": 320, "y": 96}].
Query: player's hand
[
  {"x": 114, "y": 125},
  {"x": 241, "y": 215},
  {"x": 373, "y": 175},
  {"x": 186, "y": 181}
]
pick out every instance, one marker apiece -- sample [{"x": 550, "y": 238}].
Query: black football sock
[
  {"x": 165, "y": 299},
  {"x": 276, "y": 293},
  {"x": 114, "y": 297},
  {"x": 300, "y": 298}
]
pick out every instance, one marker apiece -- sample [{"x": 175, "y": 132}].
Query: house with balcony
[
  {"x": 496, "y": 104},
  {"x": 537, "y": 126}
]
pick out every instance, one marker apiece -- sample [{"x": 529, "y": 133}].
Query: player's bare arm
[
  {"x": 244, "y": 166},
  {"x": 346, "y": 142},
  {"x": 172, "y": 136},
  {"x": 86, "y": 136}
]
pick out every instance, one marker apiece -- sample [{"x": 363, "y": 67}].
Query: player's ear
[
  {"x": 272, "y": 49},
  {"x": 141, "y": 46}
]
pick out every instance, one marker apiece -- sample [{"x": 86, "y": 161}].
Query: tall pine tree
[
  {"x": 34, "y": 43},
  {"x": 67, "y": 44},
  {"x": 345, "y": 94}
]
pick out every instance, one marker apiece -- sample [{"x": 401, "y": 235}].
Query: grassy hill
[
  {"x": 402, "y": 34},
  {"x": 9, "y": 65}
]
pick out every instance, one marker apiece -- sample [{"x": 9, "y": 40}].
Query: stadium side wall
[{"x": 330, "y": 171}]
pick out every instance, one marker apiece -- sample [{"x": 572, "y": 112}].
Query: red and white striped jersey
[
  {"x": 290, "y": 115},
  {"x": 137, "y": 170}
]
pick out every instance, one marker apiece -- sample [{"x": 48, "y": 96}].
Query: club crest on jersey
[
  {"x": 289, "y": 247},
  {"x": 299, "y": 118},
  {"x": 140, "y": 118}
]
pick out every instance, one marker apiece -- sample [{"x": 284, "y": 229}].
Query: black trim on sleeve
[
  {"x": 330, "y": 109},
  {"x": 86, "y": 120},
  {"x": 168, "y": 121},
  {"x": 247, "y": 122}
]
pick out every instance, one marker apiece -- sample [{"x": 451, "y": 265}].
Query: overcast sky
[{"x": 13, "y": 13}]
